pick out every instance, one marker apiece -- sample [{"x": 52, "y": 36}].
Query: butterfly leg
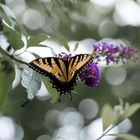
[
  {"x": 70, "y": 95},
  {"x": 61, "y": 92}
]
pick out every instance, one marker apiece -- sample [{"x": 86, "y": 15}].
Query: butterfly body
[{"x": 62, "y": 72}]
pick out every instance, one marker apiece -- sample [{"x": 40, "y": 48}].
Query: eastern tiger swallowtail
[{"x": 62, "y": 72}]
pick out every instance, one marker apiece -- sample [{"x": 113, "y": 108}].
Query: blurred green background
[{"x": 76, "y": 20}]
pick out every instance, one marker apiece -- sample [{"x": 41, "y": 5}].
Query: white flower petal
[
  {"x": 26, "y": 57},
  {"x": 31, "y": 81},
  {"x": 41, "y": 51},
  {"x": 43, "y": 93},
  {"x": 17, "y": 78}
]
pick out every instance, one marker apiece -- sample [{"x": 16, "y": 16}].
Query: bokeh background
[{"x": 78, "y": 119}]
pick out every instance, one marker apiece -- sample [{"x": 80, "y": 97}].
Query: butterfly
[{"x": 62, "y": 72}]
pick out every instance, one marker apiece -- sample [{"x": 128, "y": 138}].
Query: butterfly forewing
[{"x": 50, "y": 66}]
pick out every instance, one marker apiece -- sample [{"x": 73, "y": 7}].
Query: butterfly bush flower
[
  {"x": 91, "y": 75},
  {"x": 110, "y": 53},
  {"x": 114, "y": 53}
]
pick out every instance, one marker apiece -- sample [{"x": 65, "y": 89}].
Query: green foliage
[
  {"x": 35, "y": 40},
  {"x": 6, "y": 76},
  {"x": 14, "y": 37},
  {"x": 60, "y": 38},
  {"x": 7, "y": 14},
  {"x": 130, "y": 110},
  {"x": 52, "y": 91},
  {"x": 109, "y": 116}
]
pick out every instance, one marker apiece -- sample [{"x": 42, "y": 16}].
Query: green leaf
[
  {"x": 3, "y": 16},
  {"x": 52, "y": 91},
  {"x": 60, "y": 38},
  {"x": 76, "y": 46},
  {"x": 35, "y": 40},
  {"x": 7, "y": 11},
  {"x": 130, "y": 110},
  {"x": 126, "y": 136},
  {"x": 14, "y": 38},
  {"x": 6, "y": 78},
  {"x": 108, "y": 116}
]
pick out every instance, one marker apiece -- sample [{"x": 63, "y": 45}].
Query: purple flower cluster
[
  {"x": 110, "y": 54},
  {"x": 64, "y": 55},
  {"x": 91, "y": 75},
  {"x": 114, "y": 53}
]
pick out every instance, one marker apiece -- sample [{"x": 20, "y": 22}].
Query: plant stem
[
  {"x": 12, "y": 57},
  {"x": 106, "y": 131}
]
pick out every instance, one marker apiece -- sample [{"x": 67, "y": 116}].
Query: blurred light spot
[
  {"x": 33, "y": 19},
  {"x": 93, "y": 16},
  {"x": 125, "y": 126},
  {"x": 19, "y": 133},
  {"x": 115, "y": 75},
  {"x": 71, "y": 118},
  {"x": 51, "y": 119},
  {"x": 68, "y": 132},
  {"x": 51, "y": 23},
  {"x": 17, "y": 6},
  {"x": 107, "y": 28},
  {"x": 104, "y": 3},
  {"x": 127, "y": 13},
  {"x": 123, "y": 90},
  {"x": 88, "y": 108},
  {"x": 95, "y": 130},
  {"x": 77, "y": 17},
  {"x": 44, "y": 137},
  {"x": 7, "y": 128},
  {"x": 43, "y": 94},
  {"x": 135, "y": 81}
]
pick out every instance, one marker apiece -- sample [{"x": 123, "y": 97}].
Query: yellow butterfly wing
[
  {"x": 77, "y": 64},
  {"x": 50, "y": 66},
  {"x": 62, "y": 73}
]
